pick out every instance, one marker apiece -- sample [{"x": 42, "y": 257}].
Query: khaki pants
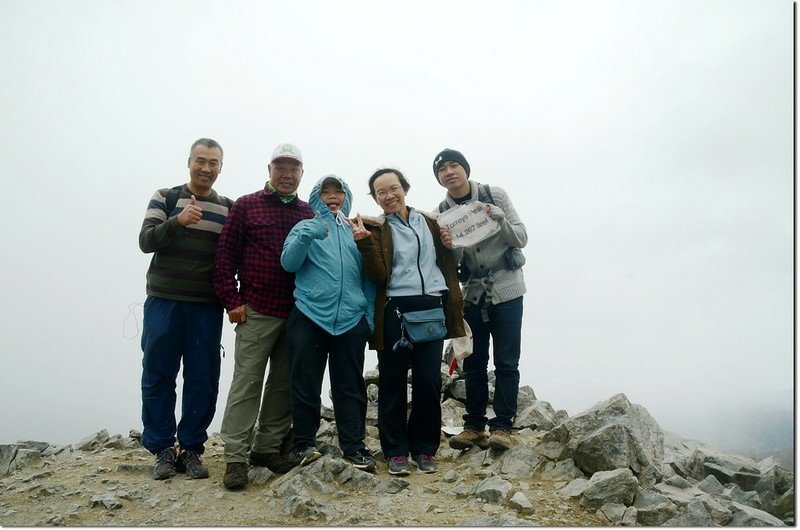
[{"x": 259, "y": 339}]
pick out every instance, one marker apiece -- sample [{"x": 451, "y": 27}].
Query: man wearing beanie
[{"x": 491, "y": 271}]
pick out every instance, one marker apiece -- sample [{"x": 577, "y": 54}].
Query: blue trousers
[
  {"x": 175, "y": 330},
  {"x": 505, "y": 328}
]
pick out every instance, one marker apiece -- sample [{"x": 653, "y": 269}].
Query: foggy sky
[{"x": 646, "y": 145}]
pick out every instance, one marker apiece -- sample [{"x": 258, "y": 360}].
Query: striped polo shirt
[{"x": 183, "y": 257}]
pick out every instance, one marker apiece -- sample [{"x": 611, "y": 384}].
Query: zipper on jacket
[{"x": 419, "y": 248}]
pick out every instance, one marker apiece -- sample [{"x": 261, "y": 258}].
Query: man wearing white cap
[{"x": 249, "y": 251}]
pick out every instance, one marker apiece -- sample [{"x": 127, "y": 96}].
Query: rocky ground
[{"x": 105, "y": 481}]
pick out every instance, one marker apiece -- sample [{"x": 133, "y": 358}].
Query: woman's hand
[
  {"x": 446, "y": 236},
  {"x": 359, "y": 231}
]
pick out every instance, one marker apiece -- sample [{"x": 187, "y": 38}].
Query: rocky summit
[{"x": 610, "y": 465}]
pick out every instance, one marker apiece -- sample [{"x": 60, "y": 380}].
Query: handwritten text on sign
[{"x": 468, "y": 223}]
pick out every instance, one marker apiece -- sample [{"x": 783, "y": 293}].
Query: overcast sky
[{"x": 646, "y": 144}]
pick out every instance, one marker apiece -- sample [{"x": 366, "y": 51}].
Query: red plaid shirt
[{"x": 249, "y": 249}]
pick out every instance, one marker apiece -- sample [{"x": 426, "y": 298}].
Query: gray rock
[
  {"x": 462, "y": 490},
  {"x": 458, "y": 390},
  {"x": 303, "y": 506},
  {"x": 493, "y": 489},
  {"x": 385, "y": 504},
  {"x": 519, "y": 461},
  {"x": 695, "y": 514},
  {"x": 7, "y": 454},
  {"x": 711, "y": 485},
  {"x": 629, "y": 518},
  {"x": 783, "y": 506},
  {"x": 372, "y": 393},
  {"x": 678, "y": 453},
  {"x": 725, "y": 467},
  {"x": 107, "y": 501},
  {"x": 93, "y": 441},
  {"x": 678, "y": 481},
  {"x": 720, "y": 514},
  {"x": 613, "y": 434},
  {"x": 617, "y": 486},
  {"x": 23, "y": 458},
  {"x": 371, "y": 377},
  {"x": 735, "y": 493},
  {"x": 574, "y": 489},
  {"x": 452, "y": 413},
  {"x": 450, "y": 476},
  {"x": 538, "y": 415},
  {"x": 653, "y": 508},
  {"x": 747, "y": 516},
  {"x": 392, "y": 485},
  {"x": 260, "y": 475},
  {"x": 613, "y": 512},
  {"x": 561, "y": 470},
  {"x": 773, "y": 477},
  {"x": 520, "y": 503},
  {"x": 293, "y": 487},
  {"x": 525, "y": 397}
]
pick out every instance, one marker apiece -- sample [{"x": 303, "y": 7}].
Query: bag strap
[{"x": 172, "y": 198}]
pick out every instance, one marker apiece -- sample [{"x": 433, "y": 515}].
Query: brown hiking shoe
[
  {"x": 275, "y": 462},
  {"x": 190, "y": 463},
  {"x": 469, "y": 437},
  {"x": 165, "y": 464},
  {"x": 501, "y": 439},
  {"x": 235, "y": 475}
]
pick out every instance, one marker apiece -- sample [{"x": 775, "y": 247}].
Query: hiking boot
[
  {"x": 275, "y": 462},
  {"x": 165, "y": 464},
  {"x": 190, "y": 463},
  {"x": 469, "y": 437},
  {"x": 362, "y": 459},
  {"x": 307, "y": 455},
  {"x": 398, "y": 465},
  {"x": 501, "y": 439},
  {"x": 424, "y": 463},
  {"x": 235, "y": 475}
]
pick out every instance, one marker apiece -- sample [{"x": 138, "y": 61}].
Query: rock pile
[{"x": 609, "y": 465}]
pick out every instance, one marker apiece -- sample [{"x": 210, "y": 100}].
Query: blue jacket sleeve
[{"x": 295, "y": 248}]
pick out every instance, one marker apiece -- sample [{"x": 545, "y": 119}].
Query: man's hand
[
  {"x": 496, "y": 213},
  {"x": 446, "y": 236},
  {"x": 237, "y": 315},
  {"x": 191, "y": 214},
  {"x": 359, "y": 231}
]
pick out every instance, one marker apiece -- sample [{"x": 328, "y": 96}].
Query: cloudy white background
[{"x": 646, "y": 145}]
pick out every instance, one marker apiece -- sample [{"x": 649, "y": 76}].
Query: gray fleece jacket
[{"x": 501, "y": 284}]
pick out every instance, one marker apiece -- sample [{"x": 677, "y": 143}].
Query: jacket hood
[{"x": 316, "y": 201}]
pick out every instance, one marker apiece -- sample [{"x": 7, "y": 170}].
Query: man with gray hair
[
  {"x": 257, "y": 292},
  {"x": 182, "y": 314}
]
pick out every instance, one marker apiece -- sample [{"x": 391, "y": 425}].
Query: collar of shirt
[{"x": 284, "y": 198}]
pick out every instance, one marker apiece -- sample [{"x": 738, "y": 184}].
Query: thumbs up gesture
[{"x": 190, "y": 214}]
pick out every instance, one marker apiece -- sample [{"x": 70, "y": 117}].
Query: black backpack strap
[
  {"x": 443, "y": 206},
  {"x": 172, "y": 198},
  {"x": 485, "y": 194}
]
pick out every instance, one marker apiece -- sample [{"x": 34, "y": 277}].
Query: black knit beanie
[{"x": 449, "y": 155}]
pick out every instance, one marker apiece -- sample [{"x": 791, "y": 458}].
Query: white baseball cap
[{"x": 287, "y": 151}]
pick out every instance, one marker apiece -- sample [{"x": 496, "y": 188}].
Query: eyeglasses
[{"x": 394, "y": 190}]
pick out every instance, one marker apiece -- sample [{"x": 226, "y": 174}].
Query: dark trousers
[
  {"x": 420, "y": 434},
  {"x": 505, "y": 328},
  {"x": 311, "y": 347},
  {"x": 173, "y": 331}
]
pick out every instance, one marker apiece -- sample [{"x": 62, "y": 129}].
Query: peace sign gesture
[{"x": 359, "y": 231}]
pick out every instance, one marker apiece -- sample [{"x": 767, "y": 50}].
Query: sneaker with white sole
[
  {"x": 398, "y": 465},
  {"x": 424, "y": 463}
]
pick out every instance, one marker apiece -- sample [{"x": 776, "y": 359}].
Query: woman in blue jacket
[{"x": 331, "y": 322}]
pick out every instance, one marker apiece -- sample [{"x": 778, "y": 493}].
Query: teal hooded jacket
[{"x": 331, "y": 286}]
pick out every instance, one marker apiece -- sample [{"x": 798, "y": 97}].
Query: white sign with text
[{"x": 468, "y": 223}]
